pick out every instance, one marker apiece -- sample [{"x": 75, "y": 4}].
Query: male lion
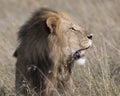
[{"x": 50, "y": 44}]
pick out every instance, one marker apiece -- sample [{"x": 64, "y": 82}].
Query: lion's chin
[{"x": 80, "y": 61}]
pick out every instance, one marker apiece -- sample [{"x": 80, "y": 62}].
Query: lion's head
[{"x": 68, "y": 39}]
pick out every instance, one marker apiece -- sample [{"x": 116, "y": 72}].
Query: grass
[
  {"x": 100, "y": 76},
  {"x": 97, "y": 77}
]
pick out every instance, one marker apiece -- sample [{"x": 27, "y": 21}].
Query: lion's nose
[{"x": 90, "y": 36}]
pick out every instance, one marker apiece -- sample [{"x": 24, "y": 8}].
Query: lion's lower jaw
[{"x": 80, "y": 61}]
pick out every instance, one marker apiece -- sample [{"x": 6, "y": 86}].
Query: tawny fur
[{"x": 42, "y": 66}]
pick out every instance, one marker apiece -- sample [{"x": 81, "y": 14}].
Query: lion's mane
[{"x": 40, "y": 69}]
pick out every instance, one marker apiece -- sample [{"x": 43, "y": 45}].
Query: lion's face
[
  {"x": 74, "y": 39},
  {"x": 77, "y": 40}
]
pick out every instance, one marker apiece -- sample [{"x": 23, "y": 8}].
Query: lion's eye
[{"x": 73, "y": 29}]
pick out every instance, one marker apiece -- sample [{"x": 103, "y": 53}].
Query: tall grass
[{"x": 97, "y": 77}]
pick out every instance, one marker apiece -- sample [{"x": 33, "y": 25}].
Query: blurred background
[{"x": 100, "y": 76}]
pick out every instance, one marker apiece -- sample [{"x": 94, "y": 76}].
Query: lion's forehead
[{"x": 66, "y": 24}]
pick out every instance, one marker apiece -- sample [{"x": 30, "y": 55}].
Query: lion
[{"x": 50, "y": 43}]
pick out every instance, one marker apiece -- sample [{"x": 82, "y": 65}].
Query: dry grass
[{"x": 101, "y": 74}]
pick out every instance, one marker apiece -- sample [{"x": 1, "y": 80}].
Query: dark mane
[
  {"x": 36, "y": 21},
  {"x": 34, "y": 46}
]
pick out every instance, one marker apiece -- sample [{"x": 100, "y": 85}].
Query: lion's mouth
[
  {"x": 79, "y": 54},
  {"x": 78, "y": 57}
]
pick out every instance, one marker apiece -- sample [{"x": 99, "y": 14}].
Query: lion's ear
[{"x": 53, "y": 23}]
